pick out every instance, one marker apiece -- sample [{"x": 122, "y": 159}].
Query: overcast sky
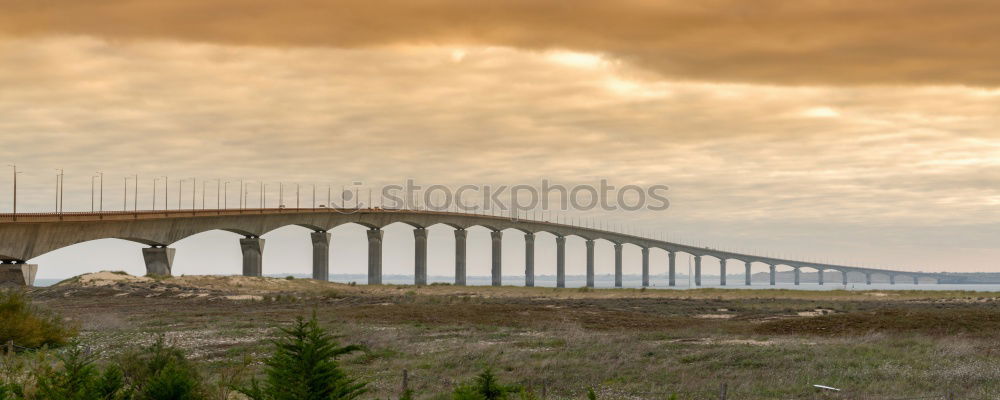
[{"x": 835, "y": 131}]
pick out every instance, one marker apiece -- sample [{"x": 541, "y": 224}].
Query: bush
[
  {"x": 485, "y": 387},
  {"x": 28, "y": 326},
  {"x": 304, "y": 367},
  {"x": 79, "y": 379},
  {"x": 161, "y": 372}
]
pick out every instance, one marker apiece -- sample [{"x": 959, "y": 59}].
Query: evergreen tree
[
  {"x": 79, "y": 379},
  {"x": 304, "y": 367}
]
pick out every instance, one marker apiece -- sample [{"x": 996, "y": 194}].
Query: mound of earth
[{"x": 116, "y": 283}]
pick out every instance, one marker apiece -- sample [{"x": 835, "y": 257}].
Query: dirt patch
[{"x": 938, "y": 322}]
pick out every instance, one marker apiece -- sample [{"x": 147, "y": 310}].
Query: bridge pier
[
  {"x": 560, "y": 261},
  {"x": 321, "y": 255},
  {"x": 497, "y": 248},
  {"x": 159, "y": 260},
  {"x": 672, "y": 268},
  {"x": 590, "y": 263},
  {"x": 18, "y": 274},
  {"x": 722, "y": 272},
  {"x": 773, "y": 274},
  {"x": 916, "y": 280},
  {"x": 819, "y": 274},
  {"x": 420, "y": 256},
  {"x": 460, "y": 235},
  {"x": 796, "y": 275},
  {"x": 375, "y": 256},
  {"x": 697, "y": 271},
  {"x": 253, "y": 256},
  {"x": 645, "y": 266},
  {"x": 529, "y": 259},
  {"x": 746, "y": 273},
  {"x": 892, "y": 279},
  {"x": 618, "y": 265},
  {"x": 868, "y": 278},
  {"x": 843, "y": 275}
]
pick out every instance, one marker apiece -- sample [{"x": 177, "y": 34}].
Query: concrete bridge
[{"x": 26, "y": 236}]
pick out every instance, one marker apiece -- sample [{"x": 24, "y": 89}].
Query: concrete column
[
  {"x": 892, "y": 279},
  {"x": 843, "y": 275},
  {"x": 645, "y": 266},
  {"x": 590, "y": 263},
  {"x": 420, "y": 256},
  {"x": 916, "y": 280},
  {"x": 460, "y": 235},
  {"x": 560, "y": 261},
  {"x": 497, "y": 237},
  {"x": 697, "y": 271},
  {"x": 773, "y": 274},
  {"x": 159, "y": 260},
  {"x": 529, "y": 259},
  {"x": 819, "y": 275},
  {"x": 253, "y": 256},
  {"x": 321, "y": 255},
  {"x": 618, "y": 265},
  {"x": 18, "y": 274},
  {"x": 746, "y": 272},
  {"x": 672, "y": 268},
  {"x": 375, "y": 256},
  {"x": 868, "y": 278},
  {"x": 796, "y": 270},
  {"x": 722, "y": 272}
]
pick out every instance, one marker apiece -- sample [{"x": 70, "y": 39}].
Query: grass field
[{"x": 627, "y": 344}]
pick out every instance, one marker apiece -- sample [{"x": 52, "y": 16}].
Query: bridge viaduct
[{"x": 26, "y": 236}]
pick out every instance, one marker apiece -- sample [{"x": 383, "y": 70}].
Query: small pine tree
[
  {"x": 304, "y": 367},
  {"x": 486, "y": 386},
  {"x": 162, "y": 372},
  {"x": 591, "y": 395},
  {"x": 79, "y": 379}
]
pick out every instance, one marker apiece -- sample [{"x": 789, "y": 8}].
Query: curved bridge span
[{"x": 26, "y": 236}]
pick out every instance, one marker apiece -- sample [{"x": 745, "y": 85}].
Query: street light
[
  {"x": 15, "y": 188},
  {"x": 92, "y": 192},
  {"x": 101, "y": 204},
  {"x": 225, "y": 195},
  {"x": 155, "y": 180},
  {"x": 59, "y": 197}
]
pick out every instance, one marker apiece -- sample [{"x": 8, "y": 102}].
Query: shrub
[
  {"x": 485, "y": 387},
  {"x": 80, "y": 379},
  {"x": 304, "y": 367},
  {"x": 161, "y": 372},
  {"x": 28, "y": 326}
]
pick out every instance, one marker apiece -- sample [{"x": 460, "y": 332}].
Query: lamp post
[
  {"x": 59, "y": 191},
  {"x": 166, "y": 190},
  {"x": 296, "y": 196},
  {"x": 180, "y": 189},
  {"x": 14, "y": 166},
  {"x": 194, "y": 192},
  {"x": 125, "y": 195},
  {"x": 218, "y": 192},
  {"x": 101, "y": 203},
  {"x": 92, "y": 177},
  {"x": 135, "y": 195},
  {"x": 225, "y": 195},
  {"x": 155, "y": 180}
]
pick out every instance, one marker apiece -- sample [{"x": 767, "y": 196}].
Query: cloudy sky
[{"x": 851, "y": 132}]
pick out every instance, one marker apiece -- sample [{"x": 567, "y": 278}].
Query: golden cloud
[{"x": 765, "y": 41}]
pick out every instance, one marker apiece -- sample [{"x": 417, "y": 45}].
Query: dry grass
[{"x": 627, "y": 343}]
